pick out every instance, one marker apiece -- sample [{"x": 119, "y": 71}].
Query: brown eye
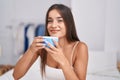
[
  {"x": 49, "y": 20},
  {"x": 60, "y": 20}
]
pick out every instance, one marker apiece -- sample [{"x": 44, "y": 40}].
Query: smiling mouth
[{"x": 54, "y": 31}]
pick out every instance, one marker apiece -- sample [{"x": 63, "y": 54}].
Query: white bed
[
  {"x": 100, "y": 63},
  {"x": 32, "y": 74}
]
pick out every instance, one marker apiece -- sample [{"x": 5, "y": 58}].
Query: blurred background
[{"x": 97, "y": 24}]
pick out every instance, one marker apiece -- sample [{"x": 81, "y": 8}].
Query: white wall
[
  {"x": 98, "y": 23},
  {"x": 112, "y": 26},
  {"x": 90, "y": 21},
  {"x": 34, "y": 10},
  {"x": 6, "y": 41}
]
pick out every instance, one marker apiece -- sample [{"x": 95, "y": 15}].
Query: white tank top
[{"x": 57, "y": 74}]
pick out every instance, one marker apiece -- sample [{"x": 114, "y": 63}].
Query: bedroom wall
[
  {"x": 90, "y": 21},
  {"x": 112, "y": 26},
  {"x": 34, "y": 10},
  {"x": 98, "y": 23}
]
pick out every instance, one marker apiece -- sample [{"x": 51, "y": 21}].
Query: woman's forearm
[
  {"x": 69, "y": 72},
  {"x": 24, "y": 64}
]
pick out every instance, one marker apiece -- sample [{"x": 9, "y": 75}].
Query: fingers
[
  {"x": 49, "y": 50},
  {"x": 38, "y": 39},
  {"x": 37, "y": 44},
  {"x": 40, "y": 43},
  {"x": 56, "y": 44},
  {"x": 52, "y": 48}
]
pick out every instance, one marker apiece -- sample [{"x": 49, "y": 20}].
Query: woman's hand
[
  {"x": 56, "y": 53},
  {"x": 37, "y": 44}
]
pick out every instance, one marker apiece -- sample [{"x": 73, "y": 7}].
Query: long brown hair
[{"x": 71, "y": 34}]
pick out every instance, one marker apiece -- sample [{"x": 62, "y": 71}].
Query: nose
[{"x": 54, "y": 24}]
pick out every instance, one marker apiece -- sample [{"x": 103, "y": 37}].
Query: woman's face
[{"x": 56, "y": 26}]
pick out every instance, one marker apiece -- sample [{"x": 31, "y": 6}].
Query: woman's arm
[
  {"x": 28, "y": 58},
  {"x": 24, "y": 64},
  {"x": 79, "y": 70},
  {"x": 81, "y": 62}
]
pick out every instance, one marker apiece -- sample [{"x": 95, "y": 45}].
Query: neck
[{"x": 63, "y": 42}]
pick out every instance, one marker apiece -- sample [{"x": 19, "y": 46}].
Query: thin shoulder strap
[{"x": 73, "y": 50}]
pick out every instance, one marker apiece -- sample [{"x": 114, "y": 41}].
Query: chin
[{"x": 54, "y": 35}]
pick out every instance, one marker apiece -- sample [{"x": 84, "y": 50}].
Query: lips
[{"x": 54, "y": 31}]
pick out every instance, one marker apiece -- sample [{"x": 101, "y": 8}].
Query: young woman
[{"x": 67, "y": 60}]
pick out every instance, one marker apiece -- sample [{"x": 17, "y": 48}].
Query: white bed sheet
[
  {"x": 98, "y": 61},
  {"x": 32, "y": 74}
]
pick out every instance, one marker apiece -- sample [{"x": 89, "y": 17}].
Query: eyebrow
[
  {"x": 59, "y": 17},
  {"x": 56, "y": 18}
]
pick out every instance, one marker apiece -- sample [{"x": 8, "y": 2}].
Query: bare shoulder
[
  {"x": 82, "y": 48},
  {"x": 81, "y": 60}
]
